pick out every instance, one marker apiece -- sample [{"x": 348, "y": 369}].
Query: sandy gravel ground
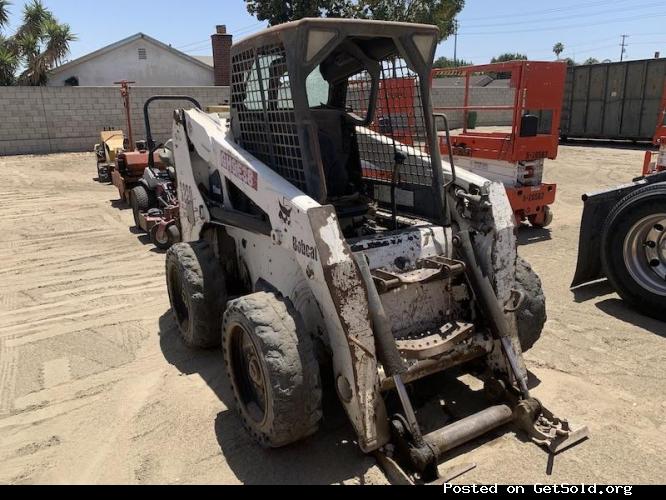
[{"x": 95, "y": 387}]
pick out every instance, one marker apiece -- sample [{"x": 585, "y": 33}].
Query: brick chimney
[{"x": 222, "y": 56}]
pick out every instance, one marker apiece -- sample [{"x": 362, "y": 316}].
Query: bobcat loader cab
[{"x": 315, "y": 234}]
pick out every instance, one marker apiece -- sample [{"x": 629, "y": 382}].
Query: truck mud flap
[{"x": 596, "y": 209}]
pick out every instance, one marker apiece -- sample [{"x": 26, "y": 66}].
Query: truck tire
[
  {"x": 139, "y": 201},
  {"x": 531, "y": 315},
  {"x": 197, "y": 293},
  {"x": 633, "y": 251},
  {"x": 271, "y": 364}
]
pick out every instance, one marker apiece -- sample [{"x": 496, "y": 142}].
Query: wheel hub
[
  {"x": 248, "y": 374},
  {"x": 645, "y": 253}
]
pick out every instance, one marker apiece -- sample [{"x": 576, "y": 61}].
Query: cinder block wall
[
  {"x": 40, "y": 120},
  {"x": 479, "y": 96}
]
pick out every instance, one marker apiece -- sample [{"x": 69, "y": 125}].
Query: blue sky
[{"x": 587, "y": 28}]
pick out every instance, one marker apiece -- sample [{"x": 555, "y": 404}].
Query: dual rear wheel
[{"x": 634, "y": 249}]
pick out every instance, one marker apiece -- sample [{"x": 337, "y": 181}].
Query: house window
[{"x": 142, "y": 54}]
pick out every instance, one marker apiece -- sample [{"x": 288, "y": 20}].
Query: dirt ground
[{"x": 95, "y": 386}]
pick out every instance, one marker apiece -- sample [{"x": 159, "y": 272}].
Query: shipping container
[{"x": 614, "y": 101}]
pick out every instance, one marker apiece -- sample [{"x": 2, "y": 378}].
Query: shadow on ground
[
  {"x": 329, "y": 457},
  {"x": 461, "y": 399},
  {"x": 592, "y": 291},
  {"x": 119, "y": 205},
  {"x": 624, "y": 312},
  {"x": 527, "y": 234}
]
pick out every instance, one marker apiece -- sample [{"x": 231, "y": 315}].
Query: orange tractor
[
  {"x": 515, "y": 157},
  {"x": 127, "y": 167}
]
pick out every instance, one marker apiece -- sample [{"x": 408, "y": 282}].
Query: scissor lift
[{"x": 515, "y": 158}]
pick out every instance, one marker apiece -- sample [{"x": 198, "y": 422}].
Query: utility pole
[
  {"x": 455, "y": 42},
  {"x": 624, "y": 47}
]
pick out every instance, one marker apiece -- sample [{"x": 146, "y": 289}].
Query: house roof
[
  {"x": 128, "y": 40},
  {"x": 207, "y": 60}
]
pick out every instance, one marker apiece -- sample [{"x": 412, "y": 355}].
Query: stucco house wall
[{"x": 162, "y": 66}]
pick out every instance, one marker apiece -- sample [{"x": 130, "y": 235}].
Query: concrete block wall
[
  {"x": 479, "y": 96},
  {"x": 41, "y": 120}
]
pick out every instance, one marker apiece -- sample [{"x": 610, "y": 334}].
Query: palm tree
[
  {"x": 558, "y": 48},
  {"x": 37, "y": 46},
  {"x": 4, "y": 12}
]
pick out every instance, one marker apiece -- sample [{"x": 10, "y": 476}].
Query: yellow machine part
[{"x": 113, "y": 140}]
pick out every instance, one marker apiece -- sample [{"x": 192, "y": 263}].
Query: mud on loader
[{"x": 315, "y": 238}]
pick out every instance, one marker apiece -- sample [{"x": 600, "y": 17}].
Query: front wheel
[
  {"x": 140, "y": 202},
  {"x": 543, "y": 219},
  {"x": 272, "y": 368},
  {"x": 634, "y": 249},
  {"x": 169, "y": 237}
]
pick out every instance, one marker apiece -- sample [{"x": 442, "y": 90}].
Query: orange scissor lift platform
[{"x": 515, "y": 158}]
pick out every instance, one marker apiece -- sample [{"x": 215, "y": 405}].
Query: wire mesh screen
[
  {"x": 398, "y": 128},
  {"x": 262, "y": 102}
]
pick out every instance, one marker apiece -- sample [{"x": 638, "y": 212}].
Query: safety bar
[{"x": 146, "y": 119}]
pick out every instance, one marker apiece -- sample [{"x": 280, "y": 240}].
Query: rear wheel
[
  {"x": 634, "y": 249},
  {"x": 544, "y": 219},
  {"x": 271, "y": 364},
  {"x": 140, "y": 202},
  {"x": 170, "y": 236},
  {"x": 531, "y": 315},
  {"x": 197, "y": 292}
]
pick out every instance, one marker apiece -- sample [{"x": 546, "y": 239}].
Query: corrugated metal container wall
[{"x": 613, "y": 100}]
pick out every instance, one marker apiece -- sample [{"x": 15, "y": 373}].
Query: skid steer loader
[{"x": 314, "y": 238}]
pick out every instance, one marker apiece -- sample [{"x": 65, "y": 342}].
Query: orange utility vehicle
[{"x": 515, "y": 157}]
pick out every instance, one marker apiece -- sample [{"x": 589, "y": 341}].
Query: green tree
[
  {"x": 39, "y": 44},
  {"x": 445, "y": 62},
  {"x": 509, "y": 56},
  {"x": 591, "y": 60},
  {"x": 558, "y": 48},
  {"x": 439, "y": 12}
]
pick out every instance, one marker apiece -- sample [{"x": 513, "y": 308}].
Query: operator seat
[{"x": 339, "y": 153}]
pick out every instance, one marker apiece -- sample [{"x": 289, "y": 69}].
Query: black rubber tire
[
  {"x": 548, "y": 219},
  {"x": 197, "y": 293},
  {"x": 139, "y": 201},
  {"x": 531, "y": 316},
  {"x": 632, "y": 208},
  {"x": 172, "y": 234},
  {"x": 288, "y": 364}
]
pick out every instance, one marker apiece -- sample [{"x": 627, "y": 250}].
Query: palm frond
[
  {"x": 59, "y": 37},
  {"x": 34, "y": 17},
  {"x": 4, "y": 12}
]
